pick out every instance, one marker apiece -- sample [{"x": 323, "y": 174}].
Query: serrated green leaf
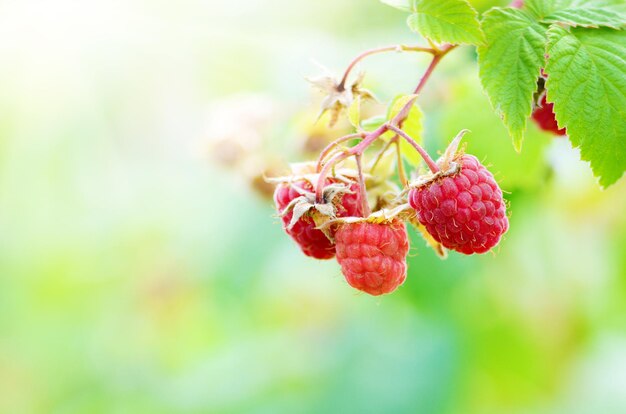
[
  {"x": 589, "y": 17},
  {"x": 354, "y": 113},
  {"x": 452, "y": 21},
  {"x": 404, "y": 5},
  {"x": 584, "y": 13},
  {"x": 412, "y": 125},
  {"x": 509, "y": 65},
  {"x": 587, "y": 82},
  {"x": 539, "y": 8},
  {"x": 470, "y": 109}
]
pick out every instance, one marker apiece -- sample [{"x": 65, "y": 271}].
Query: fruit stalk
[
  {"x": 380, "y": 154},
  {"x": 356, "y": 150},
  {"x": 427, "y": 159},
  {"x": 401, "y": 173},
  {"x": 365, "y": 205},
  {"x": 333, "y": 144}
]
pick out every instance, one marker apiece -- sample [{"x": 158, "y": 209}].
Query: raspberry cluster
[
  {"x": 326, "y": 205},
  {"x": 458, "y": 206}
]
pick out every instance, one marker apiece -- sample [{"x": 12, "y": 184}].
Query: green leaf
[
  {"x": 412, "y": 125},
  {"x": 509, "y": 65},
  {"x": 404, "y": 5},
  {"x": 452, "y": 21},
  {"x": 354, "y": 113},
  {"x": 373, "y": 123},
  {"x": 585, "y": 13},
  {"x": 539, "y": 8},
  {"x": 587, "y": 82},
  {"x": 470, "y": 109}
]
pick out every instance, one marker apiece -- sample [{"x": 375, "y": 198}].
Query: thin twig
[
  {"x": 404, "y": 112},
  {"x": 319, "y": 188},
  {"x": 362, "y": 190},
  {"x": 356, "y": 150},
  {"x": 401, "y": 174},
  {"x": 333, "y": 144},
  {"x": 380, "y": 154},
  {"x": 429, "y": 161},
  {"x": 397, "y": 48}
]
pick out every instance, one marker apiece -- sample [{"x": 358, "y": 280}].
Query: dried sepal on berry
[
  {"x": 384, "y": 215},
  {"x": 344, "y": 181},
  {"x": 448, "y": 163},
  {"x": 301, "y": 215},
  {"x": 306, "y": 202}
]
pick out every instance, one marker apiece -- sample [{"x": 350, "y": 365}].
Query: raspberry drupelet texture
[
  {"x": 465, "y": 211},
  {"x": 312, "y": 241},
  {"x": 373, "y": 256},
  {"x": 544, "y": 117}
]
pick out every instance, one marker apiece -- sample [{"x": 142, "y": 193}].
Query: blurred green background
[{"x": 139, "y": 273}]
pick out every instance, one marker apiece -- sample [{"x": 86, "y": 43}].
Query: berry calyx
[
  {"x": 297, "y": 198},
  {"x": 373, "y": 255},
  {"x": 462, "y": 208},
  {"x": 545, "y": 118}
]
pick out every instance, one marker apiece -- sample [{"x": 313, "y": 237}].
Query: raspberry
[
  {"x": 373, "y": 256},
  {"x": 544, "y": 117},
  {"x": 463, "y": 211},
  {"x": 311, "y": 240}
]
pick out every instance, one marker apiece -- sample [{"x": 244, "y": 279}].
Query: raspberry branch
[
  {"x": 437, "y": 56},
  {"x": 394, "y": 48},
  {"x": 457, "y": 205},
  {"x": 394, "y": 125}
]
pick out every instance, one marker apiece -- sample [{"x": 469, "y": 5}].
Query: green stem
[
  {"x": 365, "y": 205},
  {"x": 401, "y": 174},
  {"x": 380, "y": 154}
]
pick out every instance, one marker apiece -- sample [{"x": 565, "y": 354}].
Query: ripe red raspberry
[
  {"x": 544, "y": 117},
  {"x": 373, "y": 256},
  {"x": 464, "y": 211},
  {"x": 312, "y": 241}
]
